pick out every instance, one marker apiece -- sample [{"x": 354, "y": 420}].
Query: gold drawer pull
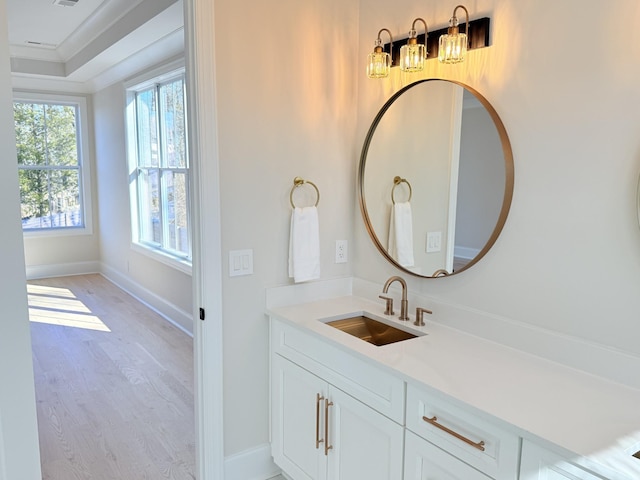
[
  {"x": 327, "y": 447},
  {"x": 319, "y": 398},
  {"x": 434, "y": 421}
]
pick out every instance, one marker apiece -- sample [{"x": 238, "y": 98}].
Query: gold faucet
[
  {"x": 404, "y": 303},
  {"x": 420, "y": 316}
]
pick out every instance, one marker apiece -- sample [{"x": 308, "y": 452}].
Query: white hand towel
[
  {"x": 304, "y": 245},
  {"x": 401, "y": 234}
]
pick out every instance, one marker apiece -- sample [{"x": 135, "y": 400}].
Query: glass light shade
[
  {"x": 378, "y": 64},
  {"x": 452, "y": 48},
  {"x": 412, "y": 57}
]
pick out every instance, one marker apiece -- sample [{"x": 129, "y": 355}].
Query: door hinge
[{"x": 201, "y": 313}]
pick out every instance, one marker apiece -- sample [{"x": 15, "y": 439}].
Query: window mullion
[
  {"x": 46, "y": 163},
  {"x": 140, "y": 200},
  {"x": 161, "y": 165}
]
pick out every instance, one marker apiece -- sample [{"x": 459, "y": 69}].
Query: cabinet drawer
[
  {"x": 474, "y": 440},
  {"x": 425, "y": 461},
  {"x": 540, "y": 464},
  {"x": 372, "y": 386}
]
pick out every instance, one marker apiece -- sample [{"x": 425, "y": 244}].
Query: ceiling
[{"x": 93, "y": 43}]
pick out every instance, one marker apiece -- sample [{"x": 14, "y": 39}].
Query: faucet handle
[
  {"x": 388, "y": 305},
  {"x": 420, "y": 316}
]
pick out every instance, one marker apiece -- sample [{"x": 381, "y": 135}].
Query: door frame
[{"x": 207, "y": 243}]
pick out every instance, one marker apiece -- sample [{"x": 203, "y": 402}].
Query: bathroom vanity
[
  {"x": 442, "y": 405},
  {"x": 356, "y": 393}
]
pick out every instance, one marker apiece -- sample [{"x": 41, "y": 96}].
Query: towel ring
[
  {"x": 298, "y": 182},
  {"x": 440, "y": 273},
  {"x": 397, "y": 181}
]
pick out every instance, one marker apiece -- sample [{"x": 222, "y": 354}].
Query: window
[
  {"x": 50, "y": 163},
  {"x": 159, "y": 166}
]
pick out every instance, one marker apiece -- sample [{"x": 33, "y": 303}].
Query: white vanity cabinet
[
  {"x": 335, "y": 415},
  {"x": 318, "y": 429},
  {"x": 538, "y": 463},
  {"x": 340, "y": 410},
  {"x": 319, "y": 432}
]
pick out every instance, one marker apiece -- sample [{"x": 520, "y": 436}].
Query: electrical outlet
[{"x": 342, "y": 251}]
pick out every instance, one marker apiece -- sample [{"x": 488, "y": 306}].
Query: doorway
[{"x": 207, "y": 266}]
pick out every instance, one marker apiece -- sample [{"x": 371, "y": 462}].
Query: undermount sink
[{"x": 370, "y": 330}]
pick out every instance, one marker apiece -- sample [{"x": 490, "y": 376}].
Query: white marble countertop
[{"x": 592, "y": 418}]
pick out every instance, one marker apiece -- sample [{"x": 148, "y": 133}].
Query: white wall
[
  {"x": 19, "y": 455},
  {"x": 286, "y": 96},
  {"x": 569, "y": 255}
]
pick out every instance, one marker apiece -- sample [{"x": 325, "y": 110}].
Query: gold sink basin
[{"x": 371, "y": 330}]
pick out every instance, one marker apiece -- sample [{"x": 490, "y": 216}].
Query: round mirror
[{"x": 435, "y": 178}]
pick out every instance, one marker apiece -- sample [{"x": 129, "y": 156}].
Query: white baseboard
[
  {"x": 254, "y": 464},
  {"x": 178, "y": 317},
  {"x": 465, "y": 252},
  {"x": 61, "y": 270},
  {"x": 170, "y": 312}
]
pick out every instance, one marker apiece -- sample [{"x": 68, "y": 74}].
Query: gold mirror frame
[
  {"x": 638, "y": 201},
  {"x": 508, "y": 186}
]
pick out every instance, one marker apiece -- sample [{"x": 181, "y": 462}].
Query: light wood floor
[{"x": 114, "y": 384}]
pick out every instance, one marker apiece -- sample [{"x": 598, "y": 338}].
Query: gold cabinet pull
[
  {"x": 327, "y": 447},
  {"x": 434, "y": 421},
  {"x": 319, "y": 398}
]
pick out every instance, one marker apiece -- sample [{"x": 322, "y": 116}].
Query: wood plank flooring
[{"x": 114, "y": 384}]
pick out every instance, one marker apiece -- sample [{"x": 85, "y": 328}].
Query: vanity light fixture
[
  {"x": 453, "y": 45},
  {"x": 447, "y": 44},
  {"x": 413, "y": 54},
  {"x": 379, "y": 62}
]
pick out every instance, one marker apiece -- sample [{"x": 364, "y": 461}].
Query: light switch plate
[
  {"x": 240, "y": 262},
  {"x": 434, "y": 242}
]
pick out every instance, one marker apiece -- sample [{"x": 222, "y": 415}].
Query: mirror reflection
[{"x": 436, "y": 178}]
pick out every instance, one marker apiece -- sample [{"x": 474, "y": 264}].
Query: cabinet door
[
  {"x": 425, "y": 461},
  {"x": 540, "y": 464},
  {"x": 295, "y": 407},
  {"x": 364, "y": 444}
]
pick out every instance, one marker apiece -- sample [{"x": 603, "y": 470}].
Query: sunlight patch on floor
[{"x": 59, "y": 306}]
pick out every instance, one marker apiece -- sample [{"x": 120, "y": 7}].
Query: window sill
[
  {"x": 182, "y": 265},
  {"x": 58, "y": 232}
]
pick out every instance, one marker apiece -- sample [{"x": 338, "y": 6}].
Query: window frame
[
  {"x": 84, "y": 160},
  {"x": 153, "y": 78}
]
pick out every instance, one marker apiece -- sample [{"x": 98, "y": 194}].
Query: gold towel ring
[
  {"x": 397, "y": 181},
  {"x": 440, "y": 273},
  {"x": 298, "y": 182}
]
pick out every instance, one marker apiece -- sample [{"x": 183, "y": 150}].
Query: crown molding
[{"x": 143, "y": 38}]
